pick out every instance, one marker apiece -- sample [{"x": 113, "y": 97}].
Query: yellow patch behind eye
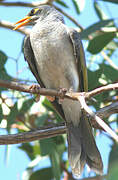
[{"x": 35, "y": 10}]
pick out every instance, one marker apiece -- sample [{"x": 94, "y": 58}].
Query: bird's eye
[{"x": 33, "y": 11}]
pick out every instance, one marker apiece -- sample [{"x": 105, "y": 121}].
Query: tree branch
[
  {"x": 9, "y": 25},
  {"x": 51, "y": 92},
  {"x": 24, "y": 4},
  {"x": 37, "y": 134},
  {"x": 98, "y": 119},
  {"x": 56, "y": 130}
]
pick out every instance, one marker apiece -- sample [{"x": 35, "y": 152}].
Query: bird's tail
[{"x": 82, "y": 148}]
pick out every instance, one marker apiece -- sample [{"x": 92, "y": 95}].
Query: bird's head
[{"x": 36, "y": 14}]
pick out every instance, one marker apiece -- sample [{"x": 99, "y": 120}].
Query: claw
[{"x": 35, "y": 87}]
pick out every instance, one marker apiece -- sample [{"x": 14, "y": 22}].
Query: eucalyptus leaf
[
  {"x": 62, "y": 3},
  {"x": 96, "y": 27},
  {"x": 100, "y": 41},
  {"x": 12, "y": 116},
  {"x": 78, "y": 5},
  {"x": 41, "y": 174},
  {"x": 99, "y": 12},
  {"x": 1, "y": 114},
  {"x": 55, "y": 160},
  {"x": 112, "y": 1}
]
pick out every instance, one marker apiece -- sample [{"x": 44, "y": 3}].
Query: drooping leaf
[
  {"x": 3, "y": 59},
  {"x": 50, "y": 107},
  {"x": 41, "y": 174},
  {"x": 112, "y": 1},
  {"x": 55, "y": 160},
  {"x": 78, "y": 5},
  {"x": 96, "y": 27},
  {"x": 100, "y": 13},
  {"x": 28, "y": 148},
  {"x": 62, "y": 3},
  {"x": 1, "y": 114},
  {"x": 99, "y": 42},
  {"x": 26, "y": 105},
  {"x": 3, "y": 73},
  {"x": 40, "y": 120},
  {"x": 47, "y": 146},
  {"x": 12, "y": 116},
  {"x": 113, "y": 162}
]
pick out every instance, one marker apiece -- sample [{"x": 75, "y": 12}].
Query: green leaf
[
  {"x": 45, "y": 174},
  {"x": 12, "y": 116},
  {"x": 47, "y": 146},
  {"x": 28, "y": 148},
  {"x": 113, "y": 163},
  {"x": 62, "y": 3},
  {"x": 99, "y": 11},
  {"x": 50, "y": 107},
  {"x": 26, "y": 105},
  {"x": 55, "y": 160},
  {"x": 79, "y": 6},
  {"x": 3, "y": 59},
  {"x": 1, "y": 114},
  {"x": 99, "y": 42},
  {"x": 40, "y": 120},
  {"x": 3, "y": 73},
  {"x": 112, "y": 1},
  {"x": 96, "y": 27}
]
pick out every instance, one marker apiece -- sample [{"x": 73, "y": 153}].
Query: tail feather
[{"x": 82, "y": 148}]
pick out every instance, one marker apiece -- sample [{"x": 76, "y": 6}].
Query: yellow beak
[{"x": 22, "y": 22}]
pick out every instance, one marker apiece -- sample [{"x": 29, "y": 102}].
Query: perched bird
[{"x": 55, "y": 56}]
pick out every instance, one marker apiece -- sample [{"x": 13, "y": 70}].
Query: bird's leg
[
  {"x": 35, "y": 87},
  {"x": 50, "y": 98},
  {"x": 62, "y": 93}
]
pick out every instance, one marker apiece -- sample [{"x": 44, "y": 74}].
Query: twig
[
  {"x": 42, "y": 133},
  {"x": 69, "y": 17},
  {"x": 49, "y": 131},
  {"x": 95, "y": 178},
  {"x": 9, "y": 25},
  {"x": 99, "y": 90},
  {"x": 109, "y": 60},
  {"x": 24, "y": 4},
  {"x": 98, "y": 119},
  {"x": 34, "y": 4},
  {"x": 104, "y": 113},
  {"x": 51, "y": 92}
]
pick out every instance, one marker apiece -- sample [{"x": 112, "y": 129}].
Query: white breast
[{"x": 54, "y": 56}]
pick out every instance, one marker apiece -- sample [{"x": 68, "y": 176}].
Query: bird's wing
[
  {"x": 80, "y": 58},
  {"x": 93, "y": 158},
  {"x": 30, "y": 58}
]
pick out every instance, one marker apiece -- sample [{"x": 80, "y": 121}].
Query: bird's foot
[
  {"x": 35, "y": 87},
  {"x": 62, "y": 94},
  {"x": 50, "y": 98}
]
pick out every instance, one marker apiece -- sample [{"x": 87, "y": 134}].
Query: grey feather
[{"x": 56, "y": 58}]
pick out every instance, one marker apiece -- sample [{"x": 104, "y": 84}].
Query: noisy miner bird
[{"x": 55, "y": 56}]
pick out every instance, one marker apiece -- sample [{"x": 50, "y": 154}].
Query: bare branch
[
  {"x": 107, "y": 58},
  {"x": 9, "y": 25},
  {"x": 104, "y": 112},
  {"x": 51, "y": 92},
  {"x": 24, "y": 4},
  {"x": 95, "y": 178},
  {"x": 69, "y": 17},
  {"x": 98, "y": 119},
  {"x": 99, "y": 90},
  {"x": 34, "y": 4},
  {"x": 38, "y": 134}
]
